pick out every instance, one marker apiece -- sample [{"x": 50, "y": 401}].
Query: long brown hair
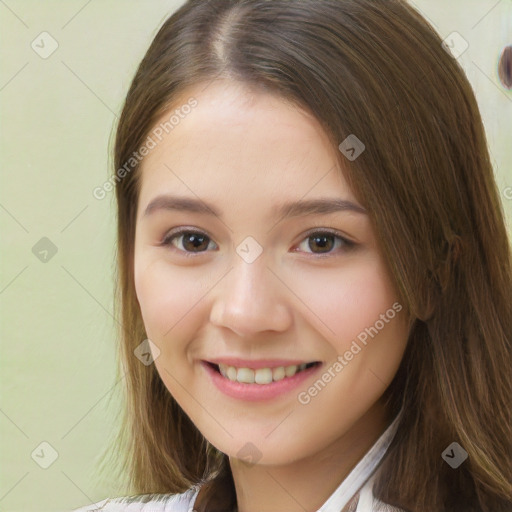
[{"x": 376, "y": 69}]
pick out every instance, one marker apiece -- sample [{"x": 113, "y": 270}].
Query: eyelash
[{"x": 346, "y": 244}]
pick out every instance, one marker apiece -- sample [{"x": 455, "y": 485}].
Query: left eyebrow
[{"x": 320, "y": 206}]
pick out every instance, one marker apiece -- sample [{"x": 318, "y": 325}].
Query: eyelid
[
  {"x": 330, "y": 231},
  {"x": 185, "y": 229}
]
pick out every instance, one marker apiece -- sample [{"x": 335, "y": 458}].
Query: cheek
[
  {"x": 344, "y": 304},
  {"x": 168, "y": 296}
]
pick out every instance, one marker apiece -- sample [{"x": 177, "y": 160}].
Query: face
[{"x": 232, "y": 277}]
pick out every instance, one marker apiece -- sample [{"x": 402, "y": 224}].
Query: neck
[{"x": 305, "y": 484}]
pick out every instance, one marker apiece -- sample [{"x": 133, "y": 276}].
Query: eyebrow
[{"x": 320, "y": 206}]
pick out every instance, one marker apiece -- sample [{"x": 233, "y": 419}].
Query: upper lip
[{"x": 257, "y": 363}]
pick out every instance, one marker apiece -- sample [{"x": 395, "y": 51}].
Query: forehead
[{"x": 241, "y": 141}]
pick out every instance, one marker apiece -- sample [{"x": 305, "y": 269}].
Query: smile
[
  {"x": 259, "y": 384},
  {"x": 260, "y": 375}
]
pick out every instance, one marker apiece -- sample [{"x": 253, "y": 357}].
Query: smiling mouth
[{"x": 261, "y": 375}]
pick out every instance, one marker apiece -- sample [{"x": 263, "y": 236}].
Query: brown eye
[
  {"x": 188, "y": 241},
  {"x": 323, "y": 242}
]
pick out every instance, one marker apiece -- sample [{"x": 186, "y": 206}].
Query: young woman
[{"x": 314, "y": 271}]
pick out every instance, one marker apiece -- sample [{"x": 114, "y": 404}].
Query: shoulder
[{"x": 145, "y": 503}]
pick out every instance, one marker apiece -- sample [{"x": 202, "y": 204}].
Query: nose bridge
[{"x": 248, "y": 299}]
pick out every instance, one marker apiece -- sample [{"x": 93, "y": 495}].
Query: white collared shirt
[{"x": 358, "y": 485}]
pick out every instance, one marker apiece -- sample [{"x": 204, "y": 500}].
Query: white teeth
[
  {"x": 261, "y": 375},
  {"x": 278, "y": 373},
  {"x": 245, "y": 375},
  {"x": 290, "y": 371},
  {"x": 229, "y": 372}
]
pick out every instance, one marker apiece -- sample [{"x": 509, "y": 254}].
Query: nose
[{"x": 250, "y": 300}]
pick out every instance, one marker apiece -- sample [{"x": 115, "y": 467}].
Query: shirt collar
[{"x": 362, "y": 471}]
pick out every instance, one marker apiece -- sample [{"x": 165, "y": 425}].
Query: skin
[{"x": 246, "y": 152}]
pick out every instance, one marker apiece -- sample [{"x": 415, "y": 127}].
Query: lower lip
[{"x": 256, "y": 392}]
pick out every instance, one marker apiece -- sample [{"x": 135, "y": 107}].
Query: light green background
[{"x": 57, "y": 330}]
